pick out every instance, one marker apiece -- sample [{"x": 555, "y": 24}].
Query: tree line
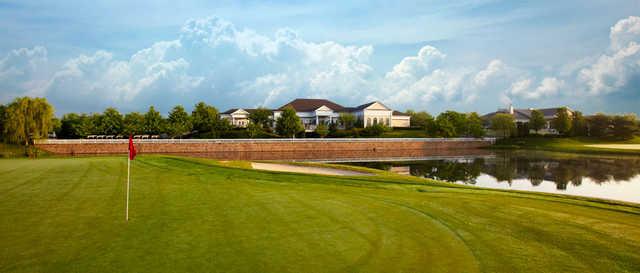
[
  {"x": 448, "y": 124},
  {"x": 568, "y": 124}
]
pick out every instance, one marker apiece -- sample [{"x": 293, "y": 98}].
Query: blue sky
[{"x": 426, "y": 55}]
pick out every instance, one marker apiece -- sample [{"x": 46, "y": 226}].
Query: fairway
[
  {"x": 188, "y": 215},
  {"x": 616, "y": 146}
]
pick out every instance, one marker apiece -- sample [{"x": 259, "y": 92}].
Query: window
[{"x": 375, "y": 121}]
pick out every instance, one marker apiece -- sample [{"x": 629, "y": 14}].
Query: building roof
[
  {"x": 525, "y": 114},
  {"x": 232, "y": 110},
  {"x": 309, "y": 105},
  {"x": 398, "y": 113}
]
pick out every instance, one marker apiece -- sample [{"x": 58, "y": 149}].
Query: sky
[{"x": 85, "y": 56}]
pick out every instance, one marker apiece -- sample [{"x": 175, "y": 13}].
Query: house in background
[
  {"x": 522, "y": 117},
  {"x": 238, "y": 117},
  {"x": 313, "y": 112}
]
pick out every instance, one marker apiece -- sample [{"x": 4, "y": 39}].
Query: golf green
[{"x": 67, "y": 215}]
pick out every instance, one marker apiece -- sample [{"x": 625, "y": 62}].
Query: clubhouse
[{"x": 313, "y": 112}]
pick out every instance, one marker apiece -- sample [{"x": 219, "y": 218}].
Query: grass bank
[
  {"x": 195, "y": 215},
  {"x": 570, "y": 144}
]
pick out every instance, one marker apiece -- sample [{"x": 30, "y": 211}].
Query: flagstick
[{"x": 128, "y": 174}]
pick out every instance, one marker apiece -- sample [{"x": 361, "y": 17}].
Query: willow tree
[{"x": 27, "y": 119}]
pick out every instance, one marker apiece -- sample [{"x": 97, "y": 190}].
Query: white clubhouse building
[{"x": 313, "y": 112}]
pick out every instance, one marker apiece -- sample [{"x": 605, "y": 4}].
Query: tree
[
  {"x": 624, "y": 126},
  {"x": 152, "y": 122},
  {"x": 110, "y": 122},
  {"x": 178, "y": 122},
  {"x": 289, "y": 123},
  {"x": 423, "y": 120},
  {"x": 444, "y": 127},
  {"x": 27, "y": 119},
  {"x": 475, "y": 128},
  {"x": 599, "y": 125},
  {"x": 504, "y": 123},
  {"x": 536, "y": 122},
  {"x": 204, "y": 117},
  {"x": 457, "y": 120},
  {"x": 71, "y": 126},
  {"x": 579, "y": 126},
  {"x": 3, "y": 120},
  {"x": 322, "y": 130},
  {"x": 562, "y": 121},
  {"x": 133, "y": 123},
  {"x": 261, "y": 117},
  {"x": 347, "y": 120},
  {"x": 90, "y": 123},
  {"x": 254, "y": 130}
]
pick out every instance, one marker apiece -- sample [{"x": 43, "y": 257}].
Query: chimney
[{"x": 511, "y": 110}]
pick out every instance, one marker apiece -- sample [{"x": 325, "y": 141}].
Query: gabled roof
[
  {"x": 525, "y": 114},
  {"x": 366, "y": 105},
  {"x": 309, "y": 105},
  {"x": 231, "y": 111},
  {"x": 398, "y": 113}
]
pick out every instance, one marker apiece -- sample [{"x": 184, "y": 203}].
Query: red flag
[{"x": 132, "y": 149}]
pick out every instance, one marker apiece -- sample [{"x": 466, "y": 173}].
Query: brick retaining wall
[{"x": 270, "y": 149}]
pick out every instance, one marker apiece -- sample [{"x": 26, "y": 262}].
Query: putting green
[{"x": 67, "y": 215}]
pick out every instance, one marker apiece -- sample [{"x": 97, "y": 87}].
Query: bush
[{"x": 375, "y": 130}]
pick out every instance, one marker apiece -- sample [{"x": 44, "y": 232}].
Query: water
[{"x": 609, "y": 177}]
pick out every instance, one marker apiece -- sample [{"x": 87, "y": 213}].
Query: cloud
[
  {"x": 23, "y": 71},
  {"x": 493, "y": 69},
  {"x": 613, "y": 71},
  {"x": 548, "y": 87},
  {"x": 624, "y": 32},
  {"x": 213, "y": 60},
  {"x": 89, "y": 82}
]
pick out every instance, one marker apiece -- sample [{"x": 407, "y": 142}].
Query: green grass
[
  {"x": 195, "y": 215},
  {"x": 570, "y": 144}
]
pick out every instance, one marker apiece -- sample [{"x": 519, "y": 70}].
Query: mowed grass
[
  {"x": 571, "y": 144},
  {"x": 67, "y": 215}
]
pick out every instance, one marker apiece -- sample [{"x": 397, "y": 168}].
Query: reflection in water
[{"x": 532, "y": 168}]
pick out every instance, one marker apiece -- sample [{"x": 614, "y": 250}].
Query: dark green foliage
[
  {"x": 72, "y": 126},
  {"x": 579, "y": 126},
  {"x": 178, "y": 122},
  {"x": 536, "y": 122},
  {"x": 110, "y": 122},
  {"x": 133, "y": 124},
  {"x": 261, "y": 117},
  {"x": 474, "y": 125},
  {"x": 456, "y": 125},
  {"x": 504, "y": 124},
  {"x": 423, "y": 120},
  {"x": 375, "y": 130},
  {"x": 562, "y": 122},
  {"x": 599, "y": 125},
  {"x": 444, "y": 127},
  {"x": 153, "y": 122},
  {"x": 288, "y": 125},
  {"x": 3, "y": 110},
  {"x": 347, "y": 120},
  {"x": 206, "y": 120},
  {"x": 322, "y": 130},
  {"x": 624, "y": 126}
]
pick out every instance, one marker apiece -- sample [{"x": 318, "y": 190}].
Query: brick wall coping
[{"x": 265, "y": 140}]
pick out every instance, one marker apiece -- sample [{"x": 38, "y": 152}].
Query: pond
[{"x": 609, "y": 177}]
